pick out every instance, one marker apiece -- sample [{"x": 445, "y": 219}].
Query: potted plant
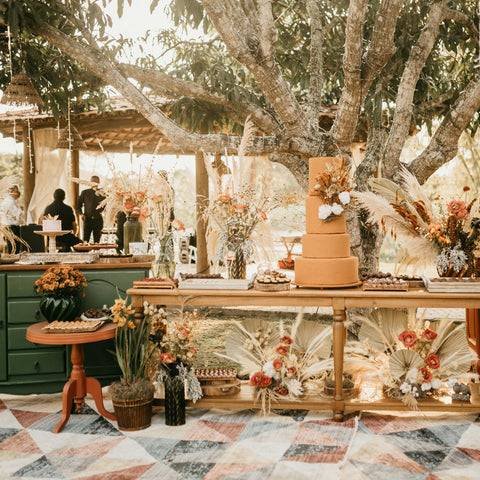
[
  {"x": 174, "y": 339},
  {"x": 132, "y": 396},
  {"x": 62, "y": 288}
]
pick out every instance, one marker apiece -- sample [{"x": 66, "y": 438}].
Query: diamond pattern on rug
[{"x": 220, "y": 444}]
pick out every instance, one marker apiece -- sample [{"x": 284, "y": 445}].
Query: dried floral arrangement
[
  {"x": 334, "y": 186},
  {"x": 280, "y": 363},
  {"x": 175, "y": 342},
  {"x": 447, "y": 235},
  {"x": 411, "y": 358},
  {"x": 241, "y": 202},
  {"x": 61, "y": 281}
]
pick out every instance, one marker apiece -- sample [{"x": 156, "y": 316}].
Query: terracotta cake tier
[
  {"x": 330, "y": 272},
  {"x": 336, "y": 245},
  {"x": 315, "y": 225}
]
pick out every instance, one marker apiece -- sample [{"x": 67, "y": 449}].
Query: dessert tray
[
  {"x": 86, "y": 247},
  {"x": 216, "y": 284},
  {"x": 93, "y": 314},
  {"x": 67, "y": 257},
  {"x": 272, "y": 282},
  {"x": 452, "y": 284},
  {"x": 156, "y": 283},
  {"x": 78, "y": 326},
  {"x": 389, "y": 283}
]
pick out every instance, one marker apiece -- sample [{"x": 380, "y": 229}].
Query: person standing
[
  {"x": 88, "y": 209},
  {"x": 64, "y": 213},
  {"x": 11, "y": 215}
]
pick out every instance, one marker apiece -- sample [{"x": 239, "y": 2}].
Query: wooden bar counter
[{"x": 339, "y": 300}]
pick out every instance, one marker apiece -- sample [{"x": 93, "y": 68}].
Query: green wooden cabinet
[{"x": 29, "y": 368}]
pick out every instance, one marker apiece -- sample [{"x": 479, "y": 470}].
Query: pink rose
[
  {"x": 409, "y": 339},
  {"x": 458, "y": 208}
]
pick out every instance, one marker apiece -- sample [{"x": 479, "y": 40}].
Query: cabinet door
[
  {"x": 25, "y": 311},
  {"x": 3, "y": 327}
]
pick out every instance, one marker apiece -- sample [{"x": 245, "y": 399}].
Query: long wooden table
[{"x": 337, "y": 299}]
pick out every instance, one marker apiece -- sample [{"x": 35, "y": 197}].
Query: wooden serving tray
[
  {"x": 156, "y": 283},
  {"x": 384, "y": 287},
  {"x": 272, "y": 287},
  {"x": 218, "y": 381},
  {"x": 78, "y": 326}
]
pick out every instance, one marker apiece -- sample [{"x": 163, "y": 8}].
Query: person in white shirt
[{"x": 11, "y": 215}]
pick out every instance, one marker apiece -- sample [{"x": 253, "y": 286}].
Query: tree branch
[
  {"x": 246, "y": 49},
  {"x": 464, "y": 20},
  {"x": 382, "y": 45},
  {"x": 406, "y": 90},
  {"x": 346, "y": 120},
  {"x": 444, "y": 144},
  {"x": 316, "y": 62},
  {"x": 297, "y": 166},
  {"x": 268, "y": 34},
  {"x": 155, "y": 79}
]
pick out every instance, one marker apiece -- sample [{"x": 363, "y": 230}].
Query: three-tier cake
[{"x": 325, "y": 259}]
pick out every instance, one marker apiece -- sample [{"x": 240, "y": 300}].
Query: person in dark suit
[
  {"x": 64, "y": 213},
  {"x": 120, "y": 219},
  {"x": 90, "y": 213}
]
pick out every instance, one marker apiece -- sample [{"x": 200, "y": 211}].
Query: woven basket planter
[{"x": 133, "y": 414}]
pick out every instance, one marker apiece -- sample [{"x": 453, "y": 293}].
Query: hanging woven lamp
[
  {"x": 70, "y": 139},
  {"x": 21, "y": 92}
]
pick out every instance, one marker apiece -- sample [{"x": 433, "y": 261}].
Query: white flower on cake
[
  {"x": 344, "y": 197},
  {"x": 337, "y": 209},
  {"x": 324, "y": 211}
]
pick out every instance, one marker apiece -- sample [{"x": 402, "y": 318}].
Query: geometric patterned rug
[{"x": 226, "y": 444}]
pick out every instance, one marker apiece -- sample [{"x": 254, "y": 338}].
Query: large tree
[{"x": 311, "y": 74}]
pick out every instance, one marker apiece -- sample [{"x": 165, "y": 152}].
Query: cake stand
[{"x": 52, "y": 246}]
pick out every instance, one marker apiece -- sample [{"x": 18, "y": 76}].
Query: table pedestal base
[{"x": 76, "y": 389}]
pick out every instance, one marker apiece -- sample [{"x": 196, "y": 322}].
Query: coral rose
[
  {"x": 224, "y": 198},
  {"x": 265, "y": 381},
  {"x": 432, "y": 361},
  {"x": 166, "y": 358},
  {"x": 408, "y": 338},
  {"x": 256, "y": 379},
  {"x": 277, "y": 364},
  {"x": 281, "y": 350},
  {"x": 281, "y": 391},
  {"x": 291, "y": 371},
  {"x": 458, "y": 209},
  {"x": 183, "y": 333},
  {"x": 426, "y": 374},
  {"x": 429, "y": 334},
  {"x": 286, "y": 340},
  {"x": 128, "y": 205}
]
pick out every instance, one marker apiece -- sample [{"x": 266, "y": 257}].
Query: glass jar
[
  {"x": 163, "y": 266},
  {"x": 132, "y": 232}
]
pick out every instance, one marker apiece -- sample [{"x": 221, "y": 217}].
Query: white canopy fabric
[{"x": 51, "y": 172}]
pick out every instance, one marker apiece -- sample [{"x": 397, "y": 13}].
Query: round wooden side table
[{"x": 79, "y": 384}]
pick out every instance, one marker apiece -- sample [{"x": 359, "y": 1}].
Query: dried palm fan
[
  {"x": 21, "y": 92},
  {"x": 402, "y": 361},
  {"x": 308, "y": 334},
  {"x": 382, "y": 327}
]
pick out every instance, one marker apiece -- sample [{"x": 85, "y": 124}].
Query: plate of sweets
[
  {"x": 93, "y": 314},
  {"x": 272, "y": 281}
]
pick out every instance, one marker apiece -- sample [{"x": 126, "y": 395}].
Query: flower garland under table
[{"x": 411, "y": 358}]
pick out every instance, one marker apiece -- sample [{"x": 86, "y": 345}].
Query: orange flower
[
  {"x": 166, "y": 358},
  {"x": 239, "y": 207},
  {"x": 265, "y": 381},
  {"x": 432, "y": 361},
  {"x": 281, "y": 350},
  {"x": 426, "y": 374},
  {"x": 128, "y": 205},
  {"x": 429, "y": 334},
  {"x": 224, "y": 198},
  {"x": 256, "y": 379},
  {"x": 277, "y": 364},
  {"x": 286, "y": 340},
  {"x": 262, "y": 215},
  {"x": 409, "y": 339}
]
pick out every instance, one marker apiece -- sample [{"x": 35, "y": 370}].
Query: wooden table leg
[
  {"x": 473, "y": 334},
  {"x": 338, "y": 348},
  {"x": 67, "y": 397},
  {"x": 95, "y": 389}
]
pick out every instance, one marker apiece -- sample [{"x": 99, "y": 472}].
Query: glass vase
[
  {"x": 174, "y": 400},
  {"x": 163, "y": 266},
  {"x": 62, "y": 309},
  {"x": 132, "y": 232}
]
